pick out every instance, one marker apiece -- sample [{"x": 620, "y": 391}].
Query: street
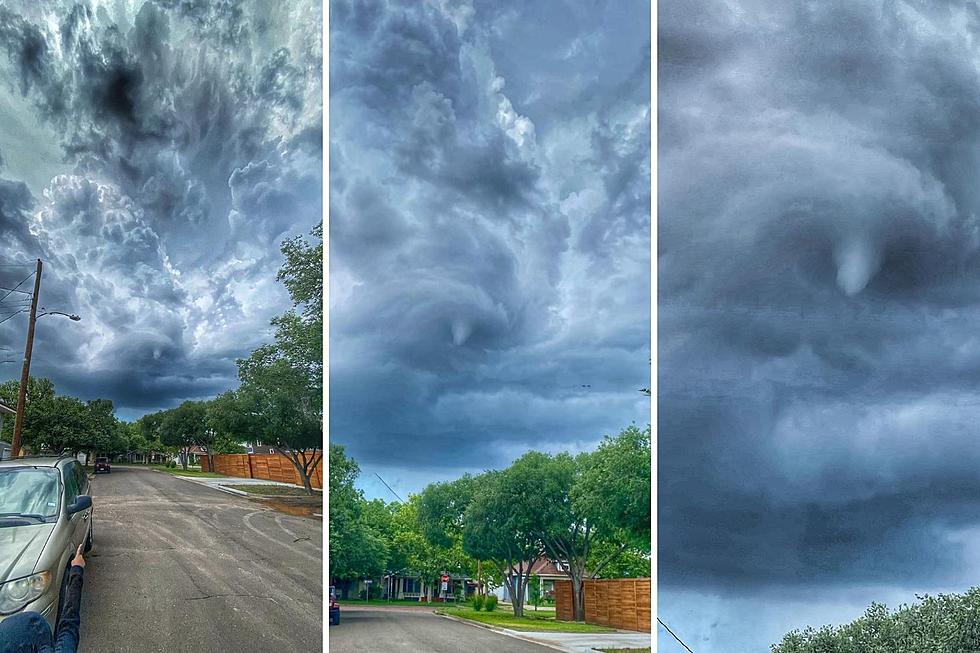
[
  {"x": 381, "y": 629},
  {"x": 181, "y": 567}
]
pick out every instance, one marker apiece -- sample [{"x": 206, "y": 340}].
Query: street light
[{"x": 70, "y": 316}]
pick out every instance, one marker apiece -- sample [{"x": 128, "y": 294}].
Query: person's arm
[{"x": 70, "y": 618}]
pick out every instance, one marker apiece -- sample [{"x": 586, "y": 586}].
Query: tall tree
[
  {"x": 280, "y": 408},
  {"x": 183, "y": 427},
  {"x": 357, "y": 549},
  {"x": 599, "y": 497},
  {"x": 501, "y": 527}
]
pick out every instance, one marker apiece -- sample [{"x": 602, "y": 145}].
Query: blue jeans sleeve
[
  {"x": 70, "y": 617},
  {"x": 26, "y": 632}
]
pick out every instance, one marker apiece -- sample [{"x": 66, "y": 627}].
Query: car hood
[{"x": 20, "y": 549}]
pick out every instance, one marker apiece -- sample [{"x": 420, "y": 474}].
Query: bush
[
  {"x": 943, "y": 623},
  {"x": 171, "y": 465},
  {"x": 478, "y": 602},
  {"x": 376, "y": 592},
  {"x": 490, "y": 604}
]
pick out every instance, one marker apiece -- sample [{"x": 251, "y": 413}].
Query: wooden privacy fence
[
  {"x": 614, "y": 602},
  {"x": 269, "y": 467}
]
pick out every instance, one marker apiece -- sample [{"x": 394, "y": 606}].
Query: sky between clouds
[
  {"x": 819, "y": 287},
  {"x": 155, "y": 154},
  {"x": 489, "y": 232}
]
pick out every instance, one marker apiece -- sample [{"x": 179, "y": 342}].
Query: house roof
[
  {"x": 541, "y": 567},
  {"x": 7, "y": 410}
]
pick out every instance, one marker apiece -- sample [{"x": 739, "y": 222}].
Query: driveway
[
  {"x": 178, "y": 566},
  {"x": 380, "y": 630}
]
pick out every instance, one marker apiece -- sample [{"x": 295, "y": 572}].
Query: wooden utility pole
[{"x": 26, "y": 372}]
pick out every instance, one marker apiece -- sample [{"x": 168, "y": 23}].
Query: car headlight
[{"x": 15, "y": 594}]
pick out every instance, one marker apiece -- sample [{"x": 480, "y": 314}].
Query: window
[
  {"x": 81, "y": 478},
  {"x": 71, "y": 483},
  {"x": 408, "y": 585}
]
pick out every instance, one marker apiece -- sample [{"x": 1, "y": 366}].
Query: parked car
[
  {"x": 102, "y": 465},
  {"x": 45, "y": 514},
  {"x": 334, "y": 607}
]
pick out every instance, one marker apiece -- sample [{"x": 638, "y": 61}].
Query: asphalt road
[
  {"x": 181, "y": 567},
  {"x": 382, "y": 630}
]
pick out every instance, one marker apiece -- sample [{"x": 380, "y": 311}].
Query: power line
[
  {"x": 389, "y": 487},
  {"x": 17, "y": 286},
  {"x": 674, "y": 636}
]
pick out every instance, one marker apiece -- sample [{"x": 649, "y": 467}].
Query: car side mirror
[{"x": 83, "y": 502}]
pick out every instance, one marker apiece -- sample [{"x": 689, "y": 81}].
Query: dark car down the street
[
  {"x": 334, "y": 608},
  {"x": 102, "y": 465}
]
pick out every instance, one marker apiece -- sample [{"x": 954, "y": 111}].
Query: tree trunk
[
  {"x": 210, "y": 461},
  {"x": 517, "y": 598},
  {"x": 578, "y": 598},
  {"x": 183, "y": 459},
  {"x": 300, "y": 465}
]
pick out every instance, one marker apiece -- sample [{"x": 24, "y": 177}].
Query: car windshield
[
  {"x": 29, "y": 491},
  {"x": 101, "y": 460}
]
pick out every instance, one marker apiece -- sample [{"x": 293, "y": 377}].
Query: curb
[{"x": 508, "y": 633}]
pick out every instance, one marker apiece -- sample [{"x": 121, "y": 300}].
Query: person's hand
[{"x": 79, "y": 559}]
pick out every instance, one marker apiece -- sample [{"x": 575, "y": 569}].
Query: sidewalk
[
  {"x": 588, "y": 642},
  {"x": 219, "y": 483},
  {"x": 570, "y": 642}
]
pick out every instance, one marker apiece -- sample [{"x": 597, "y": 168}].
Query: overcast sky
[
  {"x": 489, "y": 232},
  {"x": 154, "y": 155},
  {"x": 819, "y": 299}
]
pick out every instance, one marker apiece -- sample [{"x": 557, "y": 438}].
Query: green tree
[
  {"x": 282, "y": 409},
  {"x": 943, "y": 623},
  {"x": 598, "y": 497},
  {"x": 40, "y": 393},
  {"x": 183, "y": 427},
  {"x": 534, "y": 591},
  {"x": 281, "y": 389},
  {"x": 357, "y": 550},
  {"x": 501, "y": 527},
  {"x": 615, "y": 485}
]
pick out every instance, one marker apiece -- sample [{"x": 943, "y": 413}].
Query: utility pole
[{"x": 26, "y": 372}]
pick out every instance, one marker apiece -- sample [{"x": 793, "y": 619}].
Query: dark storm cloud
[
  {"x": 819, "y": 292},
  {"x": 472, "y": 295},
  {"x": 187, "y": 130}
]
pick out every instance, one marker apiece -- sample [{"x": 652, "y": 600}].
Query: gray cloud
[
  {"x": 473, "y": 251},
  {"x": 818, "y": 272},
  {"x": 190, "y": 141}
]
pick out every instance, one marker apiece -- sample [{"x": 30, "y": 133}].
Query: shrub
[
  {"x": 491, "y": 603},
  {"x": 947, "y": 622},
  {"x": 478, "y": 602}
]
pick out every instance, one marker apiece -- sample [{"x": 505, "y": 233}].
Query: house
[
  {"x": 407, "y": 586},
  {"x": 547, "y": 571},
  {"x": 260, "y": 449},
  {"x": 4, "y": 450}
]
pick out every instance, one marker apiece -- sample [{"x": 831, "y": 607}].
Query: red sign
[{"x": 445, "y": 577}]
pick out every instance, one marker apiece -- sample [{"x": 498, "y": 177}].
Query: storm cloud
[
  {"x": 156, "y": 155},
  {"x": 819, "y": 291},
  {"x": 489, "y": 231}
]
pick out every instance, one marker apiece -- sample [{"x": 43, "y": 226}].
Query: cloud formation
[
  {"x": 818, "y": 279},
  {"x": 189, "y": 148},
  {"x": 489, "y": 244}
]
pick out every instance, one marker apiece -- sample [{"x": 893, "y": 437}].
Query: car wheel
[{"x": 89, "y": 542}]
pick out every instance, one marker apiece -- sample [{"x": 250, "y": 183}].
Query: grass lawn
[
  {"x": 529, "y": 622},
  {"x": 190, "y": 471},
  {"x": 271, "y": 490}
]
